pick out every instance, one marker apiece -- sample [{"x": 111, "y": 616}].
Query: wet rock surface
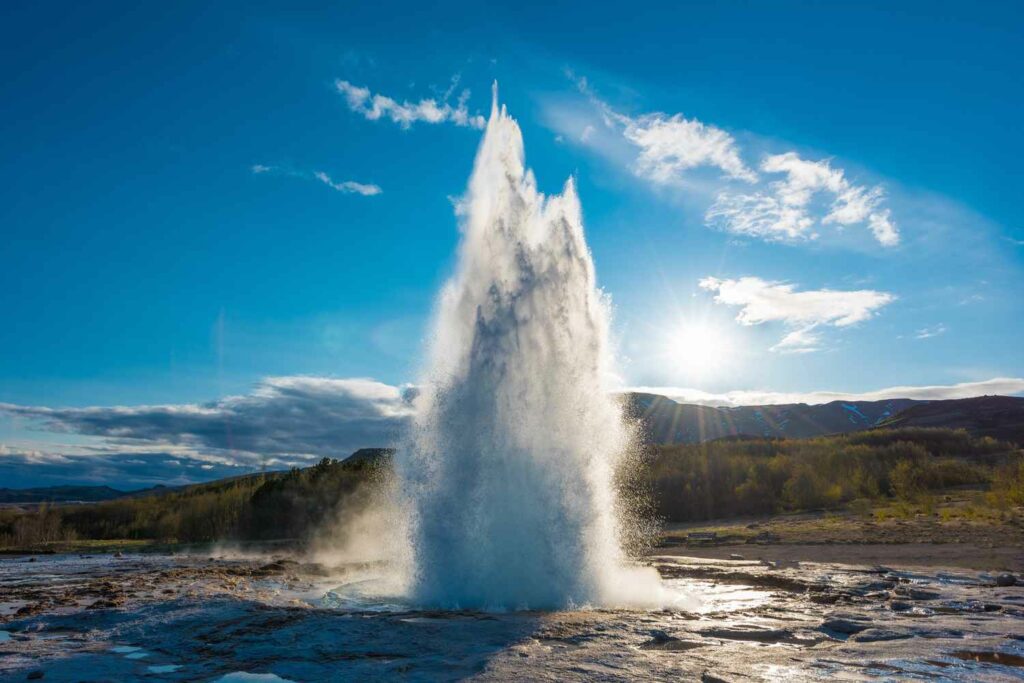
[{"x": 189, "y": 618}]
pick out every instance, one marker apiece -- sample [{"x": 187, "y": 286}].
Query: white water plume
[{"x": 510, "y": 467}]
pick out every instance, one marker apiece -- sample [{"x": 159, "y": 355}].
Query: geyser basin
[{"x": 509, "y": 470}]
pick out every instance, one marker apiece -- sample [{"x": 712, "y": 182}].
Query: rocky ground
[{"x": 163, "y": 617}]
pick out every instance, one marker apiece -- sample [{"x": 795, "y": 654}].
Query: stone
[
  {"x": 916, "y": 593},
  {"x": 877, "y": 635},
  {"x": 711, "y": 678},
  {"x": 846, "y": 626},
  {"x": 663, "y": 641},
  {"x": 659, "y": 636},
  {"x": 735, "y": 556},
  {"x": 1006, "y": 580}
]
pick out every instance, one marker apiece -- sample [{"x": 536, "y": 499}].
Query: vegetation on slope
[
  {"x": 745, "y": 476},
  {"x": 279, "y": 505},
  {"x": 712, "y": 480}
]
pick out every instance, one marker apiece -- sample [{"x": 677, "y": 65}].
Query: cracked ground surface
[{"x": 163, "y": 617}]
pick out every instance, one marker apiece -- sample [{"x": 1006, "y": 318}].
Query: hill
[
  {"x": 666, "y": 421},
  {"x": 62, "y": 494},
  {"x": 1000, "y": 417}
]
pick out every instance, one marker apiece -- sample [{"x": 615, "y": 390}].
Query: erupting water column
[{"x": 510, "y": 466}]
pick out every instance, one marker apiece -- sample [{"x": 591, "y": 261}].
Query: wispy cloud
[
  {"x": 667, "y": 149},
  {"x": 784, "y": 211},
  {"x": 996, "y": 385},
  {"x": 761, "y": 301},
  {"x": 800, "y": 340},
  {"x": 670, "y": 145},
  {"x": 345, "y": 186},
  {"x": 375, "y": 107},
  {"x": 348, "y": 186},
  {"x": 932, "y": 331}
]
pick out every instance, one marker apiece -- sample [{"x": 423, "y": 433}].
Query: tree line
[{"x": 723, "y": 478}]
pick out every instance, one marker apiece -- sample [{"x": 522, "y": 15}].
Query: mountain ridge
[{"x": 665, "y": 421}]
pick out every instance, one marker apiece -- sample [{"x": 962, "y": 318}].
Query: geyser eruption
[{"x": 509, "y": 473}]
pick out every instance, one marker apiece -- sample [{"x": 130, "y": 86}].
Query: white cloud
[
  {"x": 375, "y": 107},
  {"x": 281, "y": 420},
  {"x": 1006, "y": 386},
  {"x": 762, "y": 301},
  {"x": 670, "y": 145},
  {"x": 800, "y": 340},
  {"x": 348, "y": 186},
  {"x": 664, "y": 148},
  {"x": 784, "y": 212},
  {"x": 260, "y": 168},
  {"x": 932, "y": 331}
]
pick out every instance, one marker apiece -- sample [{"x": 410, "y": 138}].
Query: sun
[{"x": 698, "y": 349}]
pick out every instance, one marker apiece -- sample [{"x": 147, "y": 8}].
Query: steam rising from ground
[{"x": 509, "y": 473}]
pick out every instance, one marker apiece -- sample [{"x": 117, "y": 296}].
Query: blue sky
[{"x": 196, "y": 199}]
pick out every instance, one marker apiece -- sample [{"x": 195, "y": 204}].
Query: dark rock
[
  {"x": 711, "y": 678},
  {"x": 667, "y": 643},
  {"x": 35, "y": 675},
  {"x": 874, "y": 586},
  {"x": 916, "y": 593},
  {"x": 757, "y": 635},
  {"x": 1006, "y": 580},
  {"x": 899, "y": 606},
  {"x": 659, "y": 636},
  {"x": 877, "y": 635},
  {"x": 843, "y": 626}
]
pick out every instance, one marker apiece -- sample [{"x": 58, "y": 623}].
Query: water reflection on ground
[{"x": 253, "y": 619}]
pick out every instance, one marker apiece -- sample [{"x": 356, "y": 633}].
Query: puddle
[
  {"x": 1003, "y": 658},
  {"x": 163, "y": 668}
]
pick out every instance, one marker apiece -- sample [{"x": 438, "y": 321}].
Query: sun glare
[{"x": 698, "y": 349}]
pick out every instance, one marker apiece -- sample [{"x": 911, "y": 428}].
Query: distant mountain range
[
  {"x": 63, "y": 494},
  {"x": 74, "y": 494},
  {"x": 666, "y": 421}
]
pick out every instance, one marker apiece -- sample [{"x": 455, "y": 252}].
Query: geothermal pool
[{"x": 252, "y": 618}]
